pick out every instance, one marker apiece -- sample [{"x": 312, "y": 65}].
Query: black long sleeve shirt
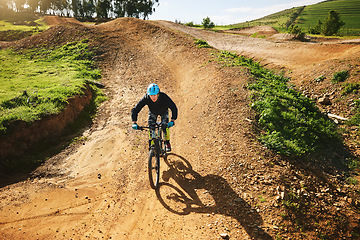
[{"x": 159, "y": 107}]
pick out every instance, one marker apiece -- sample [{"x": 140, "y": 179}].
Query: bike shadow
[{"x": 205, "y": 194}]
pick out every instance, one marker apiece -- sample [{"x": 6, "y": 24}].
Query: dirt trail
[
  {"x": 291, "y": 56},
  {"x": 210, "y": 185}
]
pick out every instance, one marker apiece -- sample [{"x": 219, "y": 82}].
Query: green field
[
  {"x": 38, "y": 82},
  {"x": 276, "y": 20},
  {"x": 349, "y": 13}
]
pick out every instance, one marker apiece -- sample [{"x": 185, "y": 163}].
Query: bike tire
[{"x": 154, "y": 168}]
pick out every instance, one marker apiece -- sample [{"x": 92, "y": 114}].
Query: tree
[
  {"x": 332, "y": 23},
  {"x": 297, "y": 31},
  {"x": 134, "y": 8},
  {"x": 103, "y": 8},
  {"x": 207, "y": 23}
]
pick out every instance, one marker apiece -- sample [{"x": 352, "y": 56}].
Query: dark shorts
[{"x": 153, "y": 118}]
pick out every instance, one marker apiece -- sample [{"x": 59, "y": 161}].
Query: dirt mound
[
  {"x": 57, "y": 35},
  {"x": 218, "y": 182},
  {"x": 56, "y": 20},
  {"x": 22, "y": 136},
  {"x": 258, "y": 30}
]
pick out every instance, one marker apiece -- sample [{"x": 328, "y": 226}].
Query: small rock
[
  {"x": 224, "y": 235},
  {"x": 324, "y": 100}
]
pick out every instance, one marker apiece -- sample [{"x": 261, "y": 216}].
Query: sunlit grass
[
  {"x": 35, "y": 83},
  {"x": 5, "y": 26}
]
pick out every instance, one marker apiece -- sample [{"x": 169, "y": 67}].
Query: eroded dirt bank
[{"x": 218, "y": 181}]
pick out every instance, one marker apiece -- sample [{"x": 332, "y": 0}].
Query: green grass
[
  {"x": 348, "y": 9},
  {"x": 202, "y": 44},
  {"x": 291, "y": 123},
  {"x": 276, "y": 20},
  {"x": 11, "y": 32},
  {"x": 6, "y": 26},
  {"x": 38, "y": 82}
]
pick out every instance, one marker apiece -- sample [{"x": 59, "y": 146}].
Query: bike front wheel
[{"x": 154, "y": 168}]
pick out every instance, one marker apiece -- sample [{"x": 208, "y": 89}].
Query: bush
[
  {"x": 202, "y": 43},
  {"x": 297, "y": 31},
  {"x": 350, "y": 88},
  {"x": 340, "y": 76},
  {"x": 207, "y": 23}
]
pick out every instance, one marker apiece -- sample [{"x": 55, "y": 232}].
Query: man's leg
[
  {"x": 165, "y": 121},
  {"x": 151, "y": 122}
]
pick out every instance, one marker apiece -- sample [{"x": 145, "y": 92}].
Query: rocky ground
[{"x": 219, "y": 182}]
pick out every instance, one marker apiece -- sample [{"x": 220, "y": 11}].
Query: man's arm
[{"x": 135, "y": 111}]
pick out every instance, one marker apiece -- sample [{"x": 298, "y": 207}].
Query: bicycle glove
[
  {"x": 170, "y": 124},
  {"x": 135, "y": 126}
]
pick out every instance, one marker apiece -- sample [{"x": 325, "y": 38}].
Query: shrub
[
  {"x": 350, "y": 88},
  {"x": 202, "y": 43},
  {"x": 340, "y": 76},
  {"x": 207, "y": 23}
]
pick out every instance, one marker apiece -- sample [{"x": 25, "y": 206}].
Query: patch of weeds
[
  {"x": 350, "y": 88},
  {"x": 262, "y": 199},
  {"x": 320, "y": 79},
  {"x": 352, "y": 181},
  {"x": 355, "y": 120},
  {"x": 256, "y": 35},
  {"x": 340, "y": 76},
  {"x": 202, "y": 43},
  {"x": 292, "y": 124}
]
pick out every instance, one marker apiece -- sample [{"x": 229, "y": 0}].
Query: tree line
[{"x": 80, "y": 8}]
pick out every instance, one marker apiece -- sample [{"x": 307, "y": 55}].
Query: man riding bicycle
[{"x": 159, "y": 104}]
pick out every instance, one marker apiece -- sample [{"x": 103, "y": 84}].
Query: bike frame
[
  {"x": 157, "y": 135},
  {"x": 156, "y": 151}
]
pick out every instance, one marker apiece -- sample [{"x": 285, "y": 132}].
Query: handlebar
[{"x": 157, "y": 125}]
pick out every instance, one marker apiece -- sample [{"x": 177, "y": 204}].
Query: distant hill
[{"x": 308, "y": 16}]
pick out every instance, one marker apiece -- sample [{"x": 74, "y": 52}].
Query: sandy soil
[{"x": 218, "y": 182}]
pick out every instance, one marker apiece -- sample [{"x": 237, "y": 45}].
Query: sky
[{"x": 222, "y": 12}]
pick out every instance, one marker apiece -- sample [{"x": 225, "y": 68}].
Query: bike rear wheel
[{"x": 154, "y": 168}]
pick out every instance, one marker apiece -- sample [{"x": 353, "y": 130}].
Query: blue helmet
[{"x": 153, "y": 89}]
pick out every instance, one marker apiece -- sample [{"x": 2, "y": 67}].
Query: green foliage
[
  {"x": 292, "y": 123},
  {"x": 340, "y": 76},
  {"x": 297, "y": 31},
  {"x": 355, "y": 120},
  {"x": 348, "y": 10},
  {"x": 307, "y": 18},
  {"x": 332, "y": 23},
  {"x": 317, "y": 29},
  {"x": 207, "y": 23},
  {"x": 350, "y": 88},
  {"x": 202, "y": 43},
  {"x": 38, "y": 82}
]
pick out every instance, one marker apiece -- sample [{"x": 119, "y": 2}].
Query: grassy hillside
[
  {"x": 349, "y": 12},
  {"x": 308, "y": 17},
  {"x": 36, "y": 83},
  {"x": 276, "y": 20}
]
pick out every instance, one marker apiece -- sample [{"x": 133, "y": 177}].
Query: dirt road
[{"x": 219, "y": 182}]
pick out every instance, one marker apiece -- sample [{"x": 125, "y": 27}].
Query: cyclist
[{"x": 159, "y": 104}]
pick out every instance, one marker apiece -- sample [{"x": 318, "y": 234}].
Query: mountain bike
[{"x": 157, "y": 150}]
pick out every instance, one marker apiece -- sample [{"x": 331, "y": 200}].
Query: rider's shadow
[{"x": 205, "y": 194}]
